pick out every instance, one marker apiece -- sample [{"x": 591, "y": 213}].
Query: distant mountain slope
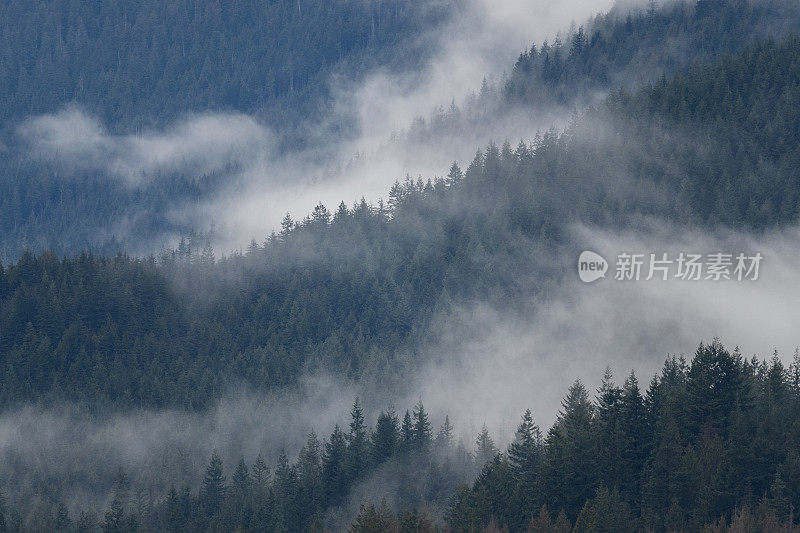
[
  {"x": 346, "y": 291},
  {"x": 273, "y": 59},
  {"x": 627, "y": 47},
  {"x": 138, "y": 62},
  {"x": 631, "y": 48}
]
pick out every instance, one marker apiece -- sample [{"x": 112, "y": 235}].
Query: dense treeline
[
  {"x": 345, "y": 291},
  {"x": 724, "y": 137},
  {"x": 41, "y": 210},
  {"x": 138, "y": 62},
  {"x": 211, "y": 67},
  {"x": 710, "y": 442},
  {"x": 339, "y": 292},
  {"x": 139, "y": 65},
  {"x": 625, "y": 48}
]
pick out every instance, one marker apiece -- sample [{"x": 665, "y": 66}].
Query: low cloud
[
  {"x": 67, "y": 454},
  {"x": 197, "y": 144},
  {"x": 263, "y": 182},
  {"x": 480, "y": 363},
  {"x": 488, "y": 364}
]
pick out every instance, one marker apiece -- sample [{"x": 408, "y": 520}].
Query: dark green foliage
[
  {"x": 309, "y": 470},
  {"x": 683, "y": 477},
  {"x": 373, "y": 519},
  {"x": 606, "y": 512},
  {"x": 407, "y": 434},
  {"x": 117, "y": 520},
  {"x": 357, "y": 444},
  {"x": 444, "y": 439},
  {"x": 137, "y": 61},
  {"x": 386, "y": 437},
  {"x": 4, "y": 521},
  {"x": 212, "y": 492},
  {"x": 334, "y": 468},
  {"x": 713, "y": 441},
  {"x": 485, "y": 450},
  {"x": 570, "y": 460},
  {"x": 423, "y": 437},
  {"x": 658, "y": 470},
  {"x": 630, "y": 48},
  {"x": 138, "y": 65},
  {"x": 328, "y": 292}
]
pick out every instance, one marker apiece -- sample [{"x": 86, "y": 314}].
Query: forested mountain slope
[
  {"x": 693, "y": 125},
  {"x": 708, "y": 442},
  {"x": 141, "y": 62},
  {"x": 54, "y": 57},
  {"x": 139, "y": 65},
  {"x": 345, "y": 290},
  {"x": 627, "y": 47}
]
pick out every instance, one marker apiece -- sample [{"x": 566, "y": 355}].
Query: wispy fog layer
[
  {"x": 197, "y": 144},
  {"x": 485, "y": 364},
  {"x": 73, "y": 456},
  {"x": 489, "y": 364},
  {"x": 481, "y": 42},
  {"x": 263, "y": 184}
]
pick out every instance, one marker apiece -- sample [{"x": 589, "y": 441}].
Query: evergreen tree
[
  {"x": 175, "y": 520},
  {"x": 212, "y": 491},
  {"x": 334, "y": 468},
  {"x": 260, "y": 477},
  {"x": 309, "y": 468},
  {"x": 357, "y": 444},
  {"x": 386, "y": 437},
  {"x": 611, "y": 439},
  {"x": 485, "y": 449},
  {"x": 541, "y": 523},
  {"x": 569, "y": 468},
  {"x": 238, "y": 500},
  {"x": 422, "y": 432},
  {"x": 285, "y": 492},
  {"x": 633, "y": 430},
  {"x": 407, "y": 433},
  {"x": 444, "y": 439},
  {"x": 525, "y": 456},
  {"x": 606, "y": 512},
  {"x": 454, "y": 176},
  {"x": 373, "y": 519},
  {"x": 713, "y": 385},
  {"x": 116, "y": 518}
]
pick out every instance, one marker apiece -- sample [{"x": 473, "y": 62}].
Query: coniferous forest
[
  {"x": 682, "y": 115},
  {"x": 710, "y": 443}
]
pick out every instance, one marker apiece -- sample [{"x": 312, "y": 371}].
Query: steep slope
[
  {"x": 344, "y": 291},
  {"x": 141, "y": 62},
  {"x": 271, "y": 67}
]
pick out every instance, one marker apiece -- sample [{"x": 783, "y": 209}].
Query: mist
[
  {"x": 479, "y": 362},
  {"x": 197, "y": 144},
  {"x": 66, "y": 454},
  {"x": 487, "y": 364},
  {"x": 262, "y": 181}
]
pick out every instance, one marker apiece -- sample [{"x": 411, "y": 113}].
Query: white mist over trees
[{"x": 213, "y": 390}]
